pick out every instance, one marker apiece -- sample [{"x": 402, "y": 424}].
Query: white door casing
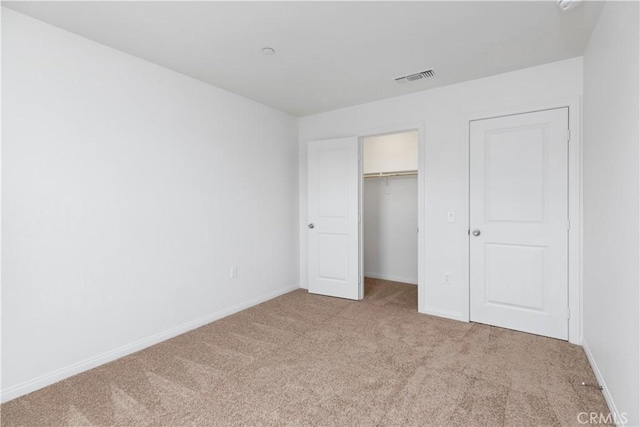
[
  {"x": 519, "y": 204},
  {"x": 333, "y": 216}
]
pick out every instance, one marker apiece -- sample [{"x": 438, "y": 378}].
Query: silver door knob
[
  {"x": 476, "y": 232},
  {"x": 311, "y": 225}
]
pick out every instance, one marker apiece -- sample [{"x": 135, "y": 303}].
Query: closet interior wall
[{"x": 390, "y": 207}]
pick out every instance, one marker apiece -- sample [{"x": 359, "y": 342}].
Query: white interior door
[
  {"x": 519, "y": 222},
  {"x": 333, "y": 177}
]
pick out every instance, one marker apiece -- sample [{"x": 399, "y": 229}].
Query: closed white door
[
  {"x": 519, "y": 222},
  {"x": 333, "y": 177}
]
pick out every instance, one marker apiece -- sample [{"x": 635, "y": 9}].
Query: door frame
[
  {"x": 387, "y": 130},
  {"x": 574, "y": 199}
]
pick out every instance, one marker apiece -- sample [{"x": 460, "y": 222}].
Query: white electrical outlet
[
  {"x": 234, "y": 272},
  {"x": 446, "y": 277},
  {"x": 451, "y": 216}
]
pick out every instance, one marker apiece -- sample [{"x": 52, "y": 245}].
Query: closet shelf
[{"x": 389, "y": 174}]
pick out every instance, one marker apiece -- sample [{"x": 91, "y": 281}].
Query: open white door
[
  {"x": 333, "y": 177},
  {"x": 519, "y": 222}
]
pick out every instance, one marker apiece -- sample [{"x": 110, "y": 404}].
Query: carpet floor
[{"x": 303, "y": 359}]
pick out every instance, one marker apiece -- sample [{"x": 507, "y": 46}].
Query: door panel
[
  {"x": 519, "y": 205},
  {"x": 333, "y": 252},
  {"x": 333, "y": 210},
  {"x": 521, "y": 197},
  {"x": 505, "y": 285}
]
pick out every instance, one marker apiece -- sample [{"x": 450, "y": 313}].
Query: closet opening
[{"x": 389, "y": 227}]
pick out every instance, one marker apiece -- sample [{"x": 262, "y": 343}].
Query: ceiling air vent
[{"x": 417, "y": 76}]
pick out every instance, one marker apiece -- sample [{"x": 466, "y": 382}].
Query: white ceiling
[{"x": 328, "y": 54}]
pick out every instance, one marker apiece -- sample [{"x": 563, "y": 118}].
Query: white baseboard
[
  {"x": 392, "y": 278},
  {"x": 76, "y": 368},
  {"x": 605, "y": 390}
]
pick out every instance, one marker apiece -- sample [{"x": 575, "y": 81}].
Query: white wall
[
  {"x": 390, "y": 220},
  {"x": 129, "y": 191},
  {"x": 444, "y": 112},
  {"x": 394, "y": 152},
  {"x": 610, "y": 190},
  {"x": 1, "y": 9}
]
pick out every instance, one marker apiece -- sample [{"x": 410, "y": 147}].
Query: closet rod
[{"x": 388, "y": 174}]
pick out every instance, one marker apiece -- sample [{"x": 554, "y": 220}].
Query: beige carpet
[{"x": 302, "y": 359}]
